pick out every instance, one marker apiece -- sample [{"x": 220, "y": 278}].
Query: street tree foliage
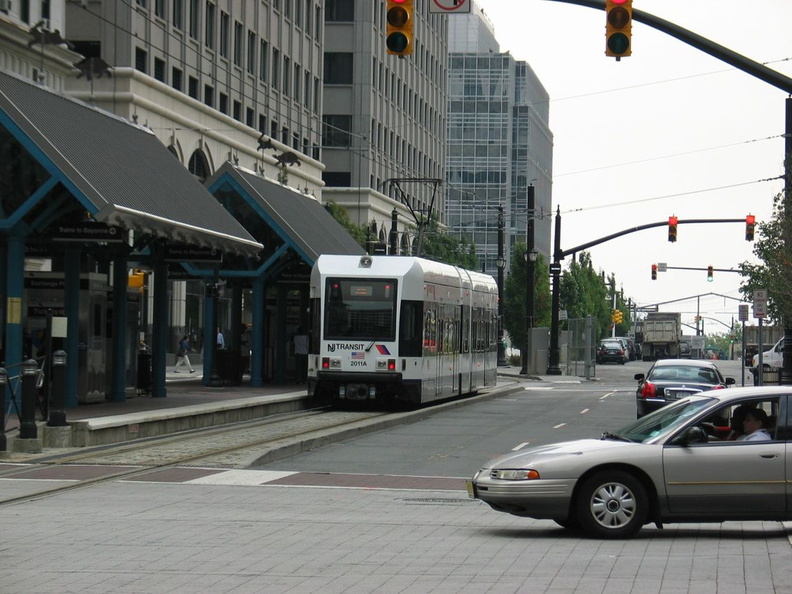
[
  {"x": 515, "y": 294},
  {"x": 340, "y": 214},
  {"x": 585, "y": 292},
  {"x": 774, "y": 272},
  {"x": 441, "y": 246}
]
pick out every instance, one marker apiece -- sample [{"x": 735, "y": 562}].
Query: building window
[
  {"x": 237, "y": 113},
  {"x": 222, "y": 103},
  {"x": 262, "y": 127},
  {"x": 336, "y": 130},
  {"x": 238, "y": 30},
  {"x": 176, "y": 79},
  {"x": 286, "y": 74},
  {"x": 251, "y": 52},
  {"x": 141, "y": 57},
  {"x": 225, "y": 23},
  {"x": 249, "y": 116},
  {"x": 275, "y": 68},
  {"x": 160, "y": 8},
  {"x": 263, "y": 60},
  {"x": 340, "y": 11},
  {"x": 337, "y": 179},
  {"x": 195, "y": 15},
  {"x": 210, "y": 25},
  {"x": 178, "y": 14},
  {"x": 192, "y": 87},
  {"x": 209, "y": 95},
  {"x": 307, "y": 89},
  {"x": 198, "y": 166},
  {"x": 159, "y": 69},
  {"x": 297, "y": 81},
  {"x": 337, "y": 68}
]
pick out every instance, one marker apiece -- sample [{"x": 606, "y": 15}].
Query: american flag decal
[
  {"x": 383, "y": 350},
  {"x": 358, "y": 355}
]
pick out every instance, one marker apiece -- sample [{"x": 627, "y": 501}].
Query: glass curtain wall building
[{"x": 499, "y": 142}]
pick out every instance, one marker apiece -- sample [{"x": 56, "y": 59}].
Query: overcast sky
[{"x": 668, "y": 130}]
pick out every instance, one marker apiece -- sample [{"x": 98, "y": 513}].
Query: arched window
[{"x": 199, "y": 166}]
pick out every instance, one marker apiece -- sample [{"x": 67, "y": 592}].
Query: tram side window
[{"x": 411, "y": 329}]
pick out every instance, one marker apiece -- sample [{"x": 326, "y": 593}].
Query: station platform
[{"x": 188, "y": 405}]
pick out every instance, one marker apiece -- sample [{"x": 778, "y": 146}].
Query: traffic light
[
  {"x": 619, "y": 316},
  {"x": 710, "y": 270},
  {"x": 400, "y": 18},
  {"x": 618, "y": 28},
  {"x": 672, "y": 228},
  {"x": 654, "y": 271},
  {"x": 750, "y": 223}
]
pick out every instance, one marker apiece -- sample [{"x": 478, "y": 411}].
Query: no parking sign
[{"x": 449, "y": 6}]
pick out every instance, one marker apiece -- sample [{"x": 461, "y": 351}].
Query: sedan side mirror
[
  {"x": 730, "y": 381},
  {"x": 639, "y": 376},
  {"x": 693, "y": 434}
]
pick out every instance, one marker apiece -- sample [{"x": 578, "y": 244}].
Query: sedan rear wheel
[{"x": 612, "y": 505}]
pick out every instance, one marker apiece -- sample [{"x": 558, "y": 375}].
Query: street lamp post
[
  {"x": 530, "y": 307},
  {"x": 554, "y": 356},
  {"x": 500, "y": 262},
  {"x": 530, "y": 260}
]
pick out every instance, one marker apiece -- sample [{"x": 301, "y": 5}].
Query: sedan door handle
[{"x": 768, "y": 456}]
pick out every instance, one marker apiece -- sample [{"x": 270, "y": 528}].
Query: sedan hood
[{"x": 543, "y": 453}]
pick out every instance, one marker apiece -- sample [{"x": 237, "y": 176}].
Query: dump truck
[
  {"x": 662, "y": 332},
  {"x": 770, "y": 336}
]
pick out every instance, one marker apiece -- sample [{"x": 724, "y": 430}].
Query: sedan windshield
[{"x": 663, "y": 421}]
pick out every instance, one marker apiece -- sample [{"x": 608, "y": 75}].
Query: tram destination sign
[{"x": 89, "y": 231}]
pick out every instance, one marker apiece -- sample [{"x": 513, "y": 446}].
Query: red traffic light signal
[
  {"x": 750, "y": 223},
  {"x": 400, "y": 18},
  {"x": 654, "y": 271},
  {"x": 618, "y": 28},
  {"x": 672, "y": 228}
]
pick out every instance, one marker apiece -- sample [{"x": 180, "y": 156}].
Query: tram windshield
[{"x": 360, "y": 309}]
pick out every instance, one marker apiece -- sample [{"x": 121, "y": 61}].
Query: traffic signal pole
[{"x": 755, "y": 69}]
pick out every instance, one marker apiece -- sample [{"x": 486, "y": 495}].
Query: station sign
[
  {"x": 89, "y": 231},
  {"x": 188, "y": 253}
]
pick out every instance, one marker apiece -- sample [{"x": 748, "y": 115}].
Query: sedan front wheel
[{"x": 612, "y": 504}]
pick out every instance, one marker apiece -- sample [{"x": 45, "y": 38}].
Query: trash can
[
  {"x": 771, "y": 376},
  {"x": 143, "y": 383},
  {"x": 229, "y": 367}
]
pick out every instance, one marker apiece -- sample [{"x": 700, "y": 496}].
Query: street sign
[
  {"x": 742, "y": 312},
  {"x": 449, "y": 7},
  {"x": 759, "y": 295},
  {"x": 760, "y": 309},
  {"x": 662, "y": 267}
]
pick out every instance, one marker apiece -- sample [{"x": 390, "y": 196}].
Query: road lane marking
[
  {"x": 606, "y": 395},
  {"x": 559, "y": 426},
  {"x": 521, "y": 446},
  {"x": 584, "y": 411}
]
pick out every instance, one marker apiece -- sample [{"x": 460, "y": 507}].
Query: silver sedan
[{"x": 696, "y": 460}]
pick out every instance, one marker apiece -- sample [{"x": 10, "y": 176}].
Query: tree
[
  {"x": 514, "y": 296},
  {"x": 585, "y": 293},
  {"x": 440, "y": 246},
  {"x": 339, "y": 213},
  {"x": 774, "y": 271}
]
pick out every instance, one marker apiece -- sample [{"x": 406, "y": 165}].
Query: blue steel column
[
  {"x": 15, "y": 287},
  {"x": 71, "y": 303},
  {"x": 120, "y": 281},
  {"x": 257, "y": 334},
  {"x": 210, "y": 375},
  {"x": 159, "y": 332},
  {"x": 282, "y": 347}
]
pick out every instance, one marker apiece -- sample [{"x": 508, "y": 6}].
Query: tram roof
[{"x": 119, "y": 172}]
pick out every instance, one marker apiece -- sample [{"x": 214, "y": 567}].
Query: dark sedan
[
  {"x": 671, "y": 379},
  {"x": 612, "y": 351}
]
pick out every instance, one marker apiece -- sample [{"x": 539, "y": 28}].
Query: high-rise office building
[
  {"x": 384, "y": 117},
  {"x": 499, "y": 142}
]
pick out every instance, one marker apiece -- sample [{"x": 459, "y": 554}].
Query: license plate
[
  {"x": 471, "y": 490},
  {"x": 676, "y": 394}
]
